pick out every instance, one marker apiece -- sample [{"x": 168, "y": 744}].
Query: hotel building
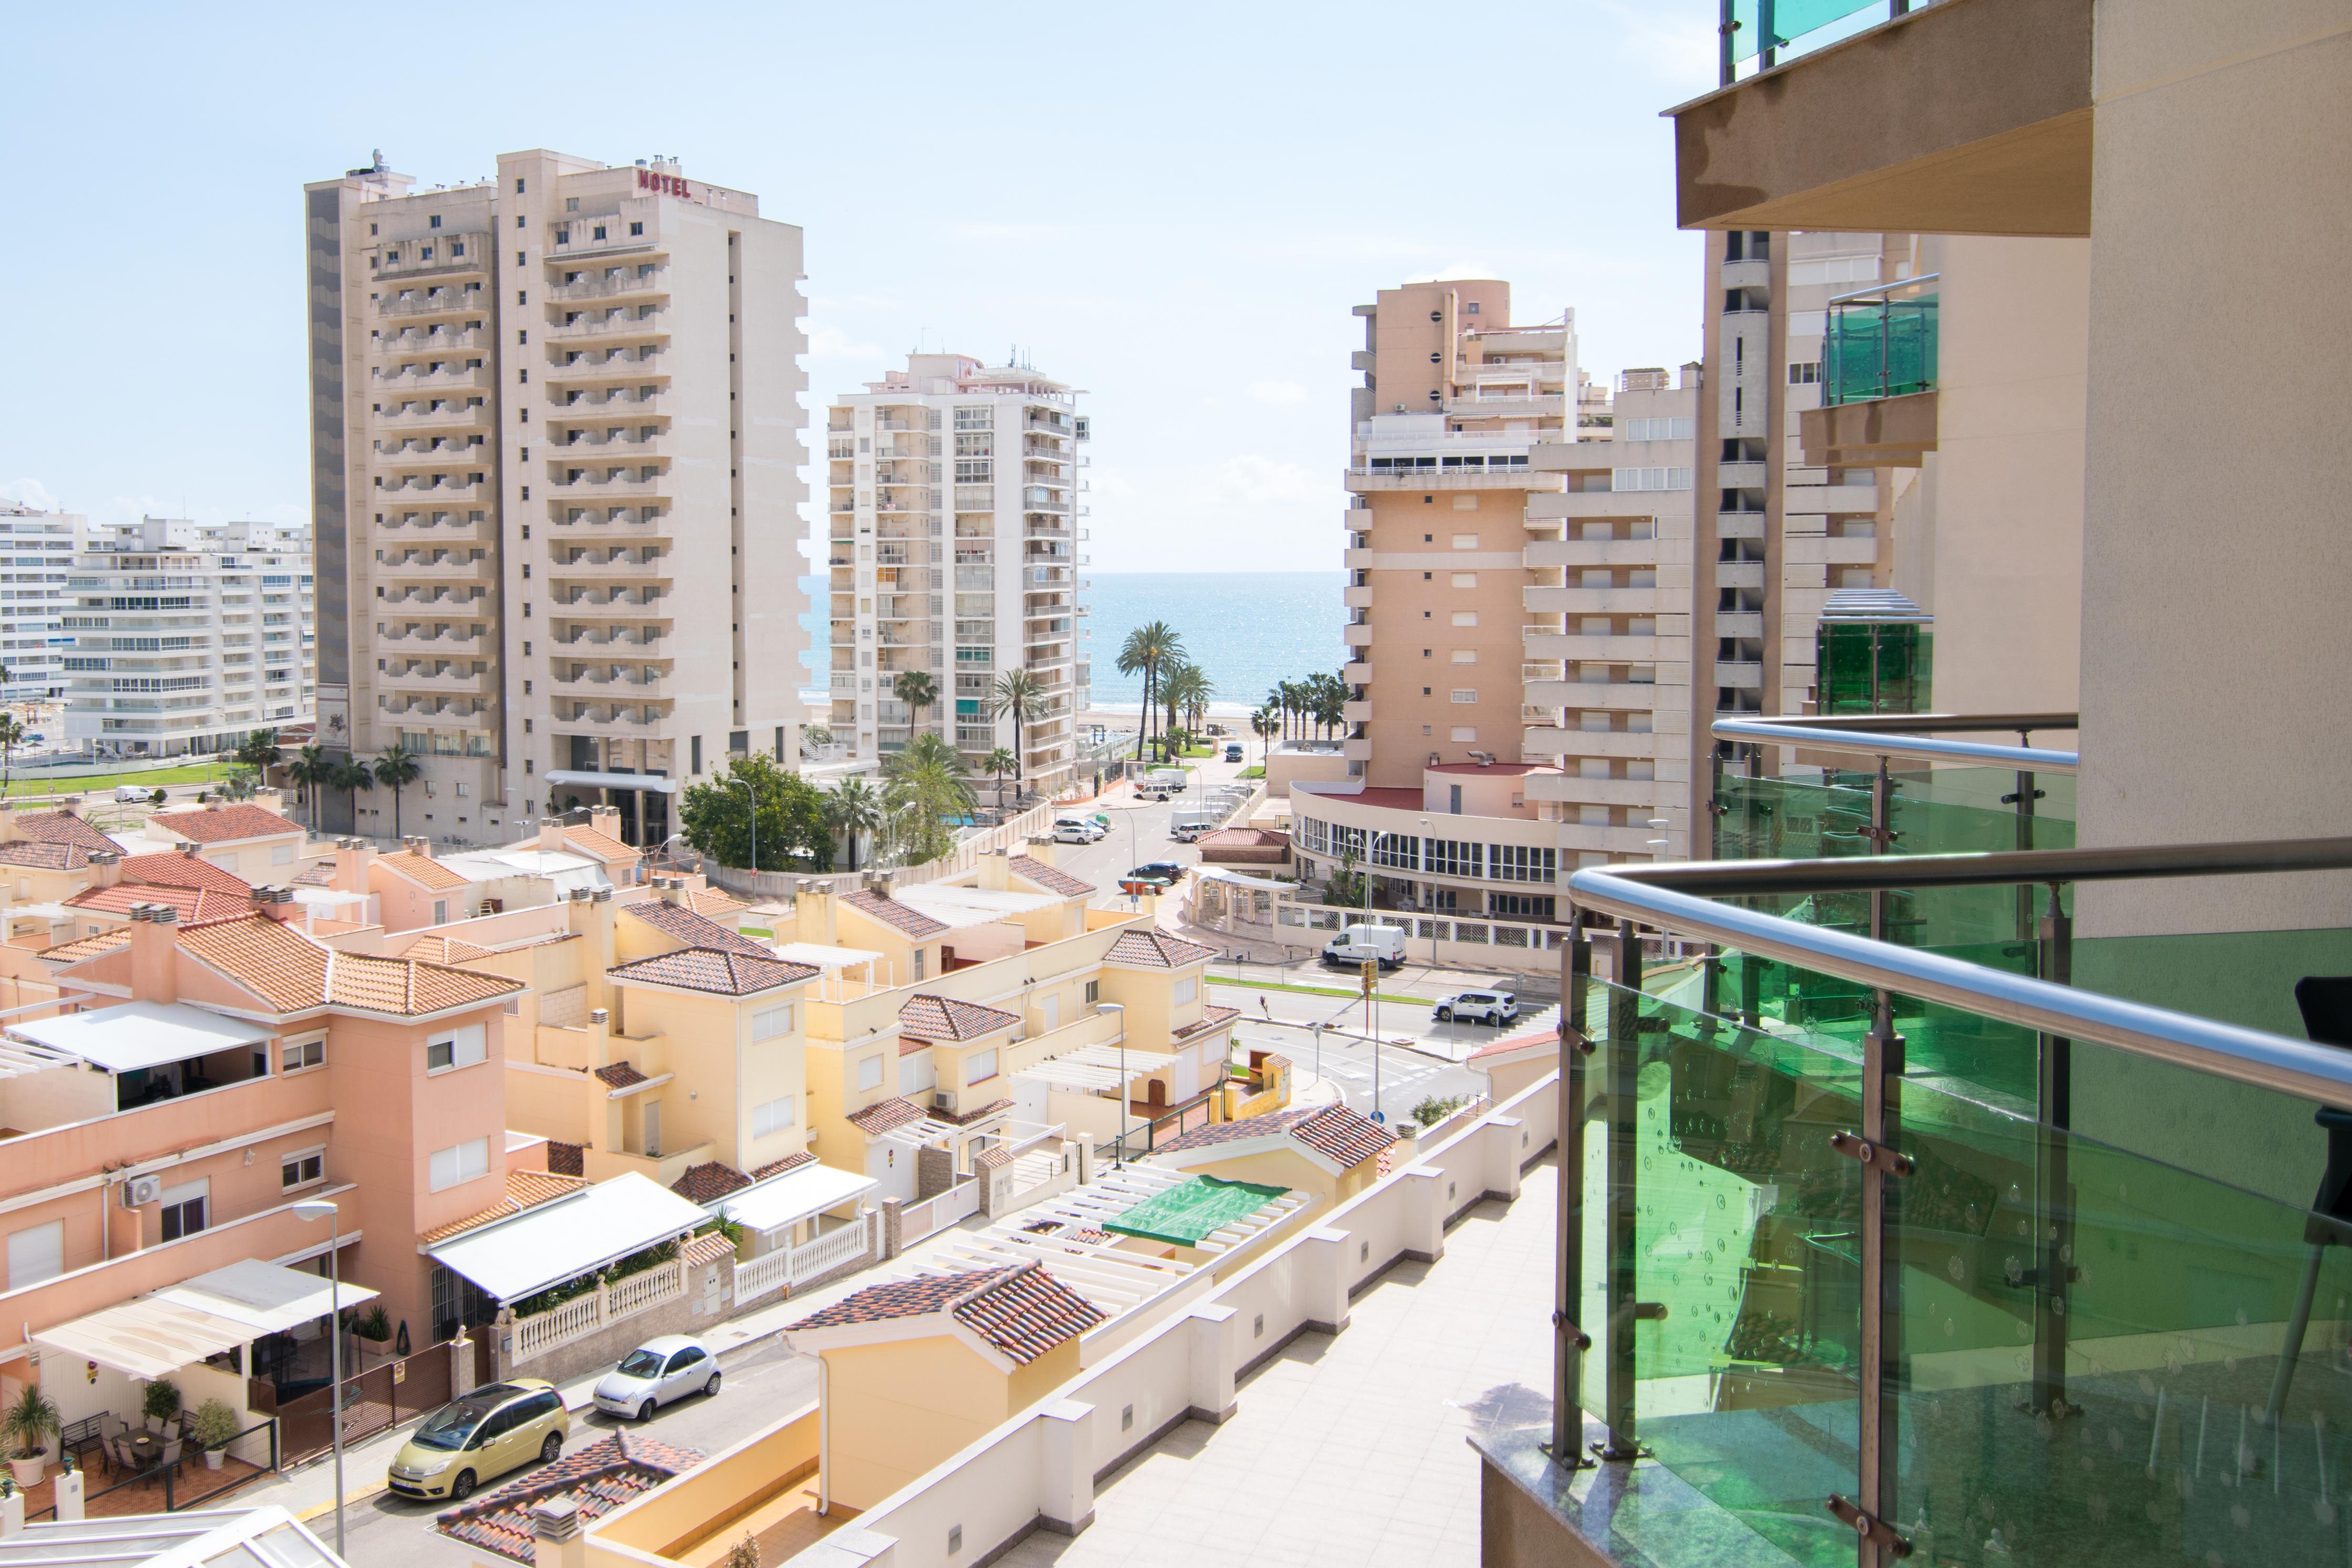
[
  {"x": 36, "y": 552},
  {"x": 183, "y": 637},
  {"x": 603, "y": 358},
  {"x": 954, "y": 549}
]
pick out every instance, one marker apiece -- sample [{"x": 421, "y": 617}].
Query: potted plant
[
  {"x": 27, "y": 1426},
  {"x": 213, "y": 1426},
  {"x": 374, "y": 1328},
  {"x": 161, "y": 1403}
]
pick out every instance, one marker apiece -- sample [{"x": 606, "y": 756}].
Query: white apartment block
[
  {"x": 180, "y": 638},
  {"x": 954, "y": 524},
  {"x": 36, "y": 554},
  {"x": 556, "y": 440}
]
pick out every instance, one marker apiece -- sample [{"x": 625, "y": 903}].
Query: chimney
[
  {"x": 277, "y": 902},
  {"x": 551, "y": 834},
  {"x": 556, "y": 1539},
  {"x": 1039, "y": 850},
  {"x": 9, "y": 832},
  {"x": 154, "y": 969},
  {"x": 814, "y": 914},
  {"x": 191, "y": 850},
  {"x": 605, "y": 819},
  {"x": 105, "y": 867},
  {"x": 672, "y": 889},
  {"x": 590, "y": 918},
  {"x": 995, "y": 870},
  {"x": 353, "y": 858}
]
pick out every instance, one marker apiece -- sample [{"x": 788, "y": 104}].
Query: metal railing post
[
  {"x": 1568, "y": 1340},
  {"x": 1730, "y": 62},
  {"x": 1880, "y": 1447},
  {"x": 1624, "y": 1166},
  {"x": 1768, "y": 55},
  {"x": 2053, "y": 1201}
]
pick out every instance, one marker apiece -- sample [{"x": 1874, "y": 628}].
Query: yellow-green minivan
[{"x": 480, "y": 1436}]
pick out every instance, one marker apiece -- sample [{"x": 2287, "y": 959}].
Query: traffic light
[{"x": 1372, "y": 973}]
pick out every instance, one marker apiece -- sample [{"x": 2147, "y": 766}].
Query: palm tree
[
  {"x": 12, "y": 735},
  {"x": 1017, "y": 693},
  {"x": 349, "y": 774},
  {"x": 1263, "y": 724},
  {"x": 396, "y": 767},
  {"x": 309, "y": 773},
  {"x": 1146, "y": 649},
  {"x": 1330, "y": 695},
  {"x": 998, "y": 763},
  {"x": 917, "y": 691},
  {"x": 850, "y": 807},
  {"x": 259, "y": 751}
]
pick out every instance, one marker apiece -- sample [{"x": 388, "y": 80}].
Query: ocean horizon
[{"x": 1247, "y": 629}]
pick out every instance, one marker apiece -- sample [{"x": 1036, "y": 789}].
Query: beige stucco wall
[
  {"x": 2215, "y": 703},
  {"x": 901, "y": 1408}
]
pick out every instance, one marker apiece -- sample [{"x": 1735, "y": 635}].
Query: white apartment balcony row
[
  {"x": 607, "y": 444},
  {"x": 1557, "y": 695},
  {"x": 595, "y": 364},
  {"x": 1363, "y": 479},
  {"x": 419, "y": 379},
  {"x": 610, "y": 283},
  {"x": 621, "y": 722},
  {"x": 613, "y": 643},
  {"x": 431, "y": 451},
  {"x": 650, "y": 566},
  {"x": 578, "y": 485},
  {"x": 1543, "y": 554},
  {"x": 470, "y": 713},
  {"x": 581, "y": 405},
  {"x": 626, "y": 323},
  {"x": 458, "y": 524},
  {"x": 615, "y": 684},
  {"x": 1543, "y": 643},
  {"x": 1573, "y": 788},
  {"x": 436, "y": 677},
  {"x": 440, "y": 300},
  {"x": 597, "y": 521},
  {"x": 424, "y": 341},
  {"x": 438, "y": 638},
  {"x": 1549, "y": 743},
  {"x": 434, "y": 413},
  {"x": 438, "y": 563},
  {"x": 1644, "y": 598},
  {"x": 633, "y": 604}
]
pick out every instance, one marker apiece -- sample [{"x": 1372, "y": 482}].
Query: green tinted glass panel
[
  {"x": 1790, "y": 19},
  {"x": 1866, "y": 668},
  {"x": 1881, "y": 350}
]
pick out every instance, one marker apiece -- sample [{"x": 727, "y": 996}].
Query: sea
[{"x": 1247, "y": 629}]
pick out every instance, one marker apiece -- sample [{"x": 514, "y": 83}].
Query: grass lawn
[
  {"x": 46, "y": 783},
  {"x": 1254, "y": 771},
  {"x": 1351, "y": 992}
]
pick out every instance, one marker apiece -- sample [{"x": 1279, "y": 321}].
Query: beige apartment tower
[{"x": 555, "y": 440}]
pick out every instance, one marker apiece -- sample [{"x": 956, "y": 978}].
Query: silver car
[{"x": 654, "y": 1374}]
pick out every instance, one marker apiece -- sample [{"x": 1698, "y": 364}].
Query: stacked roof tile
[
  {"x": 567, "y": 1159},
  {"x": 1157, "y": 950},
  {"x": 1332, "y": 1131},
  {"x": 1030, "y": 869},
  {"x": 897, "y": 917},
  {"x": 59, "y": 827},
  {"x": 694, "y": 929},
  {"x": 1020, "y": 1309},
  {"x": 1212, "y": 1017},
  {"x": 294, "y": 974},
  {"x": 194, "y": 904},
  {"x": 597, "y": 846},
  {"x": 927, "y": 1017},
  {"x": 778, "y": 1167},
  {"x": 709, "y": 1182},
  {"x": 424, "y": 871},
  {"x": 37, "y": 855},
  {"x": 164, "y": 869},
  {"x": 620, "y": 1075},
  {"x": 525, "y": 1191},
  {"x": 598, "y": 1476},
  {"x": 886, "y": 1116},
  {"x": 227, "y": 824},
  {"x": 720, "y": 972}
]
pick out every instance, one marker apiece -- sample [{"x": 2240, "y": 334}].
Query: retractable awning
[
  {"x": 133, "y": 1035},
  {"x": 552, "y": 1242},
  {"x": 653, "y": 781},
  {"x": 793, "y": 1195},
  {"x": 1095, "y": 1066},
  {"x": 155, "y": 1335}
]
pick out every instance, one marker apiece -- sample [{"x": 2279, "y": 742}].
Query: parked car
[
  {"x": 1075, "y": 831},
  {"x": 656, "y": 1373},
  {"x": 1234, "y": 752},
  {"x": 1168, "y": 873},
  {"x": 1492, "y": 1008},
  {"x": 480, "y": 1438}
]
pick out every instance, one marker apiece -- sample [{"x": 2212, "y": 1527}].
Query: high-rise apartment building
[
  {"x": 183, "y": 637},
  {"x": 555, "y": 442},
  {"x": 954, "y": 527},
  {"x": 35, "y": 553}
]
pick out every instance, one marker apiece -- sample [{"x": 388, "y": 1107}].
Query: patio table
[{"x": 145, "y": 1449}]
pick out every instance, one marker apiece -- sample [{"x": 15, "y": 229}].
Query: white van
[
  {"x": 1381, "y": 944},
  {"x": 1167, "y": 777},
  {"x": 131, "y": 794}
]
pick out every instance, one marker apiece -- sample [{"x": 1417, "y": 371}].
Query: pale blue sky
[{"x": 1173, "y": 207}]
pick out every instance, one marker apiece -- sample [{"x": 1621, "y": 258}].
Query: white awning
[
  {"x": 557, "y": 1241},
  {"x": 795, "y": 1195},
  {"x": 822, "y": 955},
  {"x": 960, "y": 906},
  {"x": 140, "y": 1034},
  {"x": 1092, "y": 1067},
  {"x": 653, "y": 781},
  {"x": 155, "y": 1336}
]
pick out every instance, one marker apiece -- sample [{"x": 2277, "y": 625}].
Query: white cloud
[
  {"x": 29, "y": 493},
  {"x": 1280, "y": 395}
]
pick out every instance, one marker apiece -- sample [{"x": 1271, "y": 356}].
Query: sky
[{"x": 1173, "y": 208}]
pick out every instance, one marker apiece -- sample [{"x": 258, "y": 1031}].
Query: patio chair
[{"x": 172, "y": 1454}]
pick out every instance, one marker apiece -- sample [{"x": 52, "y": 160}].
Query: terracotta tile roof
[
  {"x": 435, "y": 948},
  {"x": 694, "y": 930},
  {"x": 82, "y": 947},
  {"x": 321, "y": 874},
  {"x": 293, "y": 973},
  {"x": 620, "y": 1075},
  {"x": 1029, "y": 867},
  {"x": 896, "y": 916},
  {"x": 599, "y": 846},
  {"x": 233, "y": 823},
  {"x": 978, "y": 1113},
  {"x": 714, "y": 902},
  {"x": 1335, "y": 1131},
  {"x": 724, "y": 974},
  {"x": 885, "y": 1115},
  {"x": 927, "y": 1017},
  {"x": 423, "y": 869},
  {"x": 709, "y": 1182},
  {"x": 194, "y": 904},
  {"x": 1212, "y": 1017},
  {"x": 188, "y": 871},
  {"x": 993, "y": 1159},
  {"x": 566, "y": 1159},
  {"x": 708, "y": 1249},
  {"x": 1518, "y": 1042},
  {"x": 1157, "y": 950},
  {"x": 778, "y": 1167},
  {"x": 598, "y": 1476},
  {"x": 36, "y": 855},
  {"x": 61, "y": 828},
  {"x": 525, "y": 1189},
  {"x": 1021, "y": 1309}
]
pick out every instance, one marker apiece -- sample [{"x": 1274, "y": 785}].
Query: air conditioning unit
[
  {"x": 943, "y": 1099},
  {"x": 141, "y": 1190}
]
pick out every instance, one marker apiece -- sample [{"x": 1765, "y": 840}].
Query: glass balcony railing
[
  {"x": 1761, "y": 34},
  {"x": 1881, "y": 342}
]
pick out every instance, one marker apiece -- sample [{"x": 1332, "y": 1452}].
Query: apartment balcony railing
[
  {"x": 416, "y": 341},
  {"x": 628, "y": 283},
  {"x": 607, "y": 364},
  {"x": 1761, "y": 34},
  {"x": 616, "y": 402},
  {"x": 1922, "y": 1233},
  {"x": 1881, "y": 342},
  {"x": 433, "y": 302},
  {"x": 593, "y": 326}
]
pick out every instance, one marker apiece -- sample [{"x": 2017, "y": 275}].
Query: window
[
  {"x": 297, "y": 1055},
  {"x": 1093, "y": 992},
  {"x": 917, "y": 959},
  {"x": 633, "y": 228},
  {"x": 1650, "y": 478},
  {"x": 1463, "y": 694},
  {"x": 1186, "y": 989},
  {"x": 600, "y": 231},
  {"x": 459, "y": 1048},
  {"x": 37, "y": 1253},
  {"x": 1461, "y": 734},
  {"x": 980, "y": 1067},
  {"x": 974, "y": 419},
  {"x": 1525, "y": 905},
  {"x": 184, "y": 1208},
  {"x": 1522, "y": 862},
  {"x": 869, "y": 1073},
  {"x": 1448, "y": 857},
  {"x": 772, "y": 1117},
  {"x": 464, "y": 1162},
  {"x": 1466, "y": 655},
  {"x": 281, "y": 855},
  {"x": 1466, "y": 618},
  {"x": 770, "y": 1022},
  {"x": 301, "y": 1169},
  {"x": 1465, "y": 579},
  {"x": 1465, "y": 541},
  {"x": 440, "y": 911}
]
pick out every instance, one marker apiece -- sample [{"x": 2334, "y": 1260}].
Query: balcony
[
  {"x": 418, "y": 342},
  {"x": 597, "y": 327},
  {"x": 619, "y": 602},
  {"x": 622, "y": 723},
  {"x": 447, "y": 679},
  {"x": 1357, "y": 596},
  {"x": 608, "y": 365},
  {"x": 440, "y": 564},
  {"x": 1361, "y": 478},
  {"x": 1740, "y": 574},
  {"x": 1955, "y": 119},
  {"x": 1540, "y": 553},
  {"x": 599, "y": 287},
  {"x": 588, "y": 490},
  {"x": 1548, "y": 743},
  {"x": 612, "y": 644},
  {"x": 434, "y": 489},
  {"x": 447, "y": 301},
  {"x": 416, "y": 381}
]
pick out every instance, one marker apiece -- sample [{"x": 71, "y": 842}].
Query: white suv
[{"x": 1492, "y": 1008}]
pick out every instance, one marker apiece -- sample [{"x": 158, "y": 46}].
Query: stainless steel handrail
[
  {"x": 1654, "y": 896},
  {"x": 1924, "y": 723},
  {"x": 2025, "y": 758}
]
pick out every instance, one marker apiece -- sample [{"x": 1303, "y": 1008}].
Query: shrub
[
  {"x": 214, "y": 1425},
  {"x": 156, "y": 798},
  {"x": 161, "y": 1400},
  {"x": 744, "y": 1554},
  {"x": 1433, "y": 1110},
  {"x": 29, "y": 1423},
  {"x": 373, "y": 1325}
]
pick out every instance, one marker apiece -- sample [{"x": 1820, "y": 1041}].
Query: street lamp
[
  {"x": 1118, "y": 1012},
  {"x": 1433, "y": 894},
  {"x": 754, "y": 798},
  {"x": 320, "y": 1208}
]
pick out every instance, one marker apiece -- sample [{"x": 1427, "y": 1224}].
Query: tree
[
  {"x": 1186, "y": 689},
  {"x": 1018, "y": 695},
  {"x": 259, "y": 750},
  {"x": 12, "y": 735},
  {"x": 309, "y": 773},
  {"x": 852, "y": 807},
  {"x": 352, "y": 776},
  {"x": 927, "y": 789},
  {"x": 396, "y": 769},
  {"x": 793, "y": 831},
  {"x": 998, "y": 763},
  {"x": 917, "y": 691},
  {"x": 1146, "y": 649},
  {"x": 1327, "y": 698},
  {"x": 1262, "y": 725}
]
